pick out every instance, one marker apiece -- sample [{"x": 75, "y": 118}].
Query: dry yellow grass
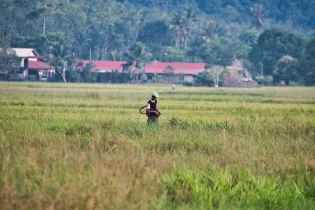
[{"x": 78, "y": 146}]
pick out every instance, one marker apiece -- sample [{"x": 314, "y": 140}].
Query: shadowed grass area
[{"x": 75, "y": 146}]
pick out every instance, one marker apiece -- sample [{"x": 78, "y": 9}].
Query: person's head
[{"x": 154, "y": 95}]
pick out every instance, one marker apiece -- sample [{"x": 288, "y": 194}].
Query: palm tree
[
  {"x": 182, "y": 22},
  {"x": 177, "y": 24},
  {"x": 190, "y": 19},
  {"x": 137, "y": 57},
  {"x": 257, "y": 13},
  {"x": 210, "y": 31},
  {"x": 59, "y": 57}
]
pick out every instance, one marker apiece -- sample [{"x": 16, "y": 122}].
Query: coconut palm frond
[{"x": 257, "y": 14}]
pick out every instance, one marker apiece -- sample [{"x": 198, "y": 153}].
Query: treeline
[
  {"x": 216, "y": 32},
  {"x": 287, "y": 13}
]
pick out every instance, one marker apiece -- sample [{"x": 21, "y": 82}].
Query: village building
[
  {"x": 33, "y": 65},
  {"x": 168, "y": 72},
  {"x": 41, "y": 69},
  {"x": 100, "y": 66},
  {"x": 174, "y": 71}
]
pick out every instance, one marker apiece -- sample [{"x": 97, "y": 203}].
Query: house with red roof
[
  {"x": 100, "y": 66},
  {"x": 170, "y": 71},
  {"x": 179, "y": 71},
  {"x": 32, "y": 65},
  {"x": 40, "y": 68}
]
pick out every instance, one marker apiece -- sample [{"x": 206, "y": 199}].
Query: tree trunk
[
  {"x": 177, "y": 40},
  {"x": 44, "y": 17},
  {"x": 63, "y": 73},
  {"x": 215, "y": 72},
  {"x": 44, "y": 24},
  {"x": 186, "y": 38},
  {"x": 64, "y": 76},
  {"x": 186, "y": 41},
  {"x": 216, "y": 81}
]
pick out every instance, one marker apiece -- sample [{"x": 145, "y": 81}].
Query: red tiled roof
[
  {"x": 39, "y": 65},
  {"x": 179, "y": 68},
  {"x": 102, "y": 65},
  {"x": 158, "y": 67}
]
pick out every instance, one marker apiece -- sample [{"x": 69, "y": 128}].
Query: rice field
[{"x": 86, "y": 146}]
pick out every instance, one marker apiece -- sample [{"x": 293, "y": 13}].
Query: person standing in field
[
  {"x": 174, "y": 87},
  {"x": 152, "y": 109}
]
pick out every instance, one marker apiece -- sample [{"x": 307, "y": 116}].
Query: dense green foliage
[
  {"x": 272, "y": 45},
  {"x": 308, "y": 63},
  {"x": 86, "y": 146},
  {"x": 181, "y": 30},
  {"x": 9, "y": 62}
]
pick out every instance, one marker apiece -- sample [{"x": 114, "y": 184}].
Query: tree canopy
[
  {"x": 183, "y": 30},
  {"x": 271, "y": 45},
  {"x": 308, "y": 63}
]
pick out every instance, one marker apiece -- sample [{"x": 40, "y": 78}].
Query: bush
[
  {"x": 264, "y": 80},
  {"x": 72, "y": 76},
  {"x": 188, "y": 84},
  {"x": 293, "y": 83}
]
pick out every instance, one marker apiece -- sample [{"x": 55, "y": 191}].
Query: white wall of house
[
  {"x": 175, "y": 78},
  {"x": 188, "y": 78},
  {"x": 184, "y": 78},
  {"x": 19, "y": 76}
]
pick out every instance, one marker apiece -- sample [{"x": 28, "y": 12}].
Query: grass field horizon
[{"x": 86, "y": 146}]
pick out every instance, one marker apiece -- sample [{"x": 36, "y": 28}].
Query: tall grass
[{"x": 75, "y": 146}]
